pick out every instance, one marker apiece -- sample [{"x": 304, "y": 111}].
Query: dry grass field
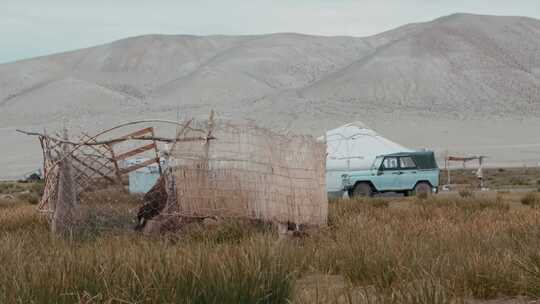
[
  {"x": 497, "y": 178},
  {"x": 484, "y": 248}
]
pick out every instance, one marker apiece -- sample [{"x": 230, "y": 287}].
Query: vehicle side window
[
  {"x": 407, "y": 163},
  {"x": 390, "y": 163}
]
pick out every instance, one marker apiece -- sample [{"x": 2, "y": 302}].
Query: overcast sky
[{"x": 30, "y": 28}]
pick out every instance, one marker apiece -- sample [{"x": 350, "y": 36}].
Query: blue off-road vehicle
[{"x": 409, "y": 173}]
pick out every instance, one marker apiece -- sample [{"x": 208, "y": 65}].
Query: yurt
[{"x": 353, "y": 147}]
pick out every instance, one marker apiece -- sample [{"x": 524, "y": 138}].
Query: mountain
[
  {"x": 461, "y": 65},
  {"x": 460, "y": 71}
]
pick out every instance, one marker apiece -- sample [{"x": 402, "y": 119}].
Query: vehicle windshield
[{"x": 377, "y": 163}]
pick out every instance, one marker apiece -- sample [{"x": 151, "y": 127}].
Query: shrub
[
  {"x": 10, "y": 187},
  {"x": 531, "y": 199},
  {"x": 30, "y": 198},
  {"x": 226, "y": 231},
  {"x": 380, "y": 203},
  {"x": 422, "y": 292},
  {"x": 8, "y": 202},
  {"x": 37, "y": 188},
  {"x": 422, "y": 195},
  {"x": 488, "y": 276},
  {"x": 530, "y": 265},
  {"x": 466, "y": 193},
  {"x": 97, "y": 220},
  {"x": 518, "y": 181},
  {"x": 340, "y": 210},
  {"x": 469, "y": 206},
  {"x": 362, "y": 267},
  {"x": 15, "y": 188},
  {"x": 16, "y": 220}
]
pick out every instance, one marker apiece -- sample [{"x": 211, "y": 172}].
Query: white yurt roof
[{"x": 358, "y": 145}]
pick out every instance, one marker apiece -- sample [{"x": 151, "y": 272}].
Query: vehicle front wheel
[
  {"x": 362, "y": 190},
  {"x": 422, "y": 189}
]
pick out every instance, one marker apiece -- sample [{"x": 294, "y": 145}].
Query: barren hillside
[{"x": 474, "y": 80}]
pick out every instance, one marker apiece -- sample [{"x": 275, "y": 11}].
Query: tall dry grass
[
  {"x": 436, "y": 250},
  {"x": 38, "y": 268}
]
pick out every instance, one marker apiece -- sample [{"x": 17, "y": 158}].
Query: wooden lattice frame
[{"x": 91, "y": 161}]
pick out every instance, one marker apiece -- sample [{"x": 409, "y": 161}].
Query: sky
[{"x": 30, "y": 28}]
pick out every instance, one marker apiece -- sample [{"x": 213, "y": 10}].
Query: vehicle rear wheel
[
  {"x": 422, "y": 189},
  {"x": 362, "y": 190}
]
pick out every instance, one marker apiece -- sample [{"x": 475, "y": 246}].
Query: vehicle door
[
  {"x": 409, "y": 173},
  {"x": 388, "y": 174}
]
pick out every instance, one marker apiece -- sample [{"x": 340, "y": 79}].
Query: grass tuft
[
  {"x": 465, "y": 193},
  {"x": 531, "y": 199}
]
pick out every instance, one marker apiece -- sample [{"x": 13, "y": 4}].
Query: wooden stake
[{"x": 64, "y": 213}]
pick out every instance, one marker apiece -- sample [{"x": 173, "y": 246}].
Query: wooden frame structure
[
  {"x": 94, "y": 164},
  {"x": 98, "y": 163},
  {"x": 464, "y": 160}
]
